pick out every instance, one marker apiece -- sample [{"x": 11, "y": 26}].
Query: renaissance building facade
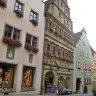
[
  {"x": 21, "y": 45},
  {"x": 58, "y": 46}
]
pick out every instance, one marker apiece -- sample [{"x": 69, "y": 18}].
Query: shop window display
[
  {"x": 6, "y": 76},
  {"x": 27, "y": 81}
]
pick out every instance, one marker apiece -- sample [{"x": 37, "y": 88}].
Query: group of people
[{"x": 58, "y": 90}]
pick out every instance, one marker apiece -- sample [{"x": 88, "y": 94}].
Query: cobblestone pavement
[{"x": 45, "y": 95}]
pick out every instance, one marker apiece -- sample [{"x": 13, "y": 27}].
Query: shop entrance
[
  {"x": 49, "y": 77},
  {"x": 78, "y": 82}
]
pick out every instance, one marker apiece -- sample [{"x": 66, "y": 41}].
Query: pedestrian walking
[{"x": 59, "y": 88}]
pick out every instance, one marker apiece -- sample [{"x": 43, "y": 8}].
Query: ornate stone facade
[{"x": 58, "y": 46}]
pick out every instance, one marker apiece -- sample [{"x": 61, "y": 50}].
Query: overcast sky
[{"x": 83, "y": 14}]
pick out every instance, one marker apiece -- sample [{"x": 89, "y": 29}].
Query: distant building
[
  {"x": 93, "y": 70},
  {"x": 82, "y": 62},
  {"x": 21, "y": 45},
  {"x": 58, "y": 46}
]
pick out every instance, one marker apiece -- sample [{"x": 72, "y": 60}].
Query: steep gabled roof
[{"x": 77, "y": 37}]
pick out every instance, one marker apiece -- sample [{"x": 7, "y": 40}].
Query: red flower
[
  {"x": 11, "y": 42},
  {"x": 8, "y": 40},
  {"x": 35, "y": 49}
]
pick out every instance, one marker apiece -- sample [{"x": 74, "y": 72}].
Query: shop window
[
  {"x": 19, "y": 8},
  {"x": 33, "y": 17},
  {"x": 6, "y": 76},
  {"x": 28, "y": 78}
]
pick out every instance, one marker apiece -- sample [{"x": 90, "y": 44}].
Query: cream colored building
[
  {"x": 21, "y": 45},
  {"x": 58, "y": 46},
  {"x": 93, "y": 70}
]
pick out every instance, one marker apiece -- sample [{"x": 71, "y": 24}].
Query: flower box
[
  {"x": 31, "y": 48},
  {"x": 19, "y": 13},
  {"x": 34, "y": 22},
  {"x": 35, "y": 49},
  {"x": 17, "y": 43},
  {"x": 28, "y": 47},
  {"x": 3, "y": 3},
  {"x": 8, "y": 40},
  {"x": 12, "y": 42}
]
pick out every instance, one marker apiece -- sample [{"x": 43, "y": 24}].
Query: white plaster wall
[{"x": 7, "y": 16}]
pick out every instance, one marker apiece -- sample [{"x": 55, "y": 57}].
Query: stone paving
[{"x": 46, "y": 95}]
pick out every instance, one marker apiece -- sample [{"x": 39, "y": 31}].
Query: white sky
[{"x": 83, "y": 14}]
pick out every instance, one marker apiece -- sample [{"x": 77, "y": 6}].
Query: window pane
[
  {"x": 34, "y": 41},
  {"x": 48, "y": 47},
  {"x": 18, "y": 6},
  {"x": 16, "y": 34},
  {"x": 28, "y": 39},
  {"x": 33, "y": 15},
  {"x": 8, "y": 31}
]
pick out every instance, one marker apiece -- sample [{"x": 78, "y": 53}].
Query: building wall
[
  {"x": 94, "y": 72},
  {"x": 81, "y": 59},
  {"x": 58, "y": 37},
  {"x": 8, "y": 16}
]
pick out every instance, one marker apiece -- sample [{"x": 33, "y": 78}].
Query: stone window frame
[
  {"x": 11, "y": 32},
  {"x": 30, "y": 40},
  {"x": 33, "y": 15},
  {"x": 19, "y": 8}
]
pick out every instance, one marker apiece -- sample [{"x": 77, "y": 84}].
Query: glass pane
[
  {"x": 27, "y": 77},
  {"x": 28, "y": 39},
  {"x": 20, "y": 6},
  {"x": 16, "y": 4},
  {"x": 16, "y": 34},
  {"x": 30, "y": 18},
  {"x": 16, "y": 8},
  {"x": 34, "y": 41},
  {"x": 8, "y": 31},
  {"x": 31, "y": 13}
]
